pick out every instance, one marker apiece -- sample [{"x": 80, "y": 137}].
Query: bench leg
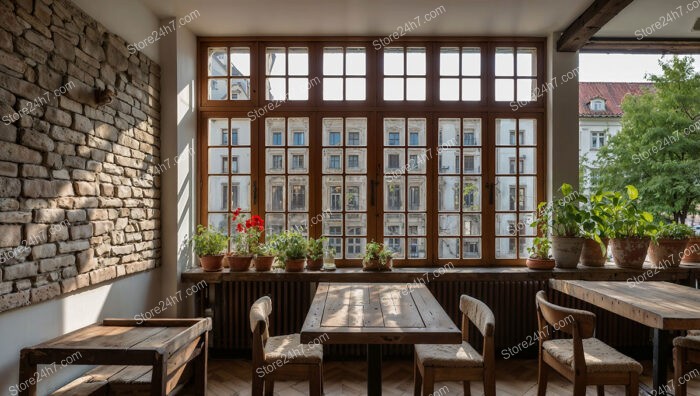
[{"x": 200, "y": 366}]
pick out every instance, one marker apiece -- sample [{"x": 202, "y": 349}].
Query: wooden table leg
[
  {"x": 159, "y": 378},
  {"x": 660, "y": 363},
  {"x": 374, "y": 370},
  {"x": 27, "y": 375},
  {"x": 200, "y": 370}
]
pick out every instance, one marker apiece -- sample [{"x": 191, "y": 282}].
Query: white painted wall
[
  {"x": 178, "y": 54},
  {"x": 125, "y": 297}
]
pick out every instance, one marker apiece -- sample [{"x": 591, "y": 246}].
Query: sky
[{"x": 620, "y": 67}]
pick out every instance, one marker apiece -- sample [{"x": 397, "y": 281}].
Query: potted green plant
[
  {"x": 668, "y": 244},
  {"x": 567, "y": 219},
  {"x": 291, "y": 250},
  {"x": 539, "y": 251},
  {"x": 314, "y": 254},
  {"x": 630, "y": 229},
  {"x": 265, "y": 255},
  {"x": 209, "y": 245},
  {"x": 377, "y": 257},
  {"x": 246, "y": 239},
  {"x": 596, "y": 230},
  {"x": 691, "y": 254}
]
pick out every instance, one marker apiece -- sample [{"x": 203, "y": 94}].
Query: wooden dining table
[
  {"x": 375, "y": 314},
  {"x": 166, "y": 345},
  {"x": 663, "y": 306}
]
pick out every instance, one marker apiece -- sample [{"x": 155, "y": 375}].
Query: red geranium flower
[
  {"x": 261, "y": 228},
  {"x": 236, "y": 213},
  {"x": 240, "y": 228},
  {"x": 248, "y": 223}
]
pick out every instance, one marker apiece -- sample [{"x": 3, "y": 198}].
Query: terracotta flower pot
[
  {"x": 630, "y": 252},
  {"x": 566, "y": 251},
  {"x": 376, "y": 265},
  {"x": 238, "y": 263},
  {"x": 211, "y": 263},
  {"x": 314, "y": 265},
  {"x": 294, "y": 265},
  {"x": 691, "y": 254},
  {"x": 667, "y": 252},
  {"x": 263, "y": 263},
  {"x": 539, "y": 264},
  {"x": 592, "y": 255}
]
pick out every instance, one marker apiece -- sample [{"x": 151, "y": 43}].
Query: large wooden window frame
[{"x": 374, "y": 108}]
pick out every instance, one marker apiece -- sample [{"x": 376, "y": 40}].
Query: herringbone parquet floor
[{"x": 514, "y": 378}]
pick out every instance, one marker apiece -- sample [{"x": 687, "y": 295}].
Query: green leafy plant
[
  {"x": 673, "y": 231},
  {"x": 567, "y": 216},
  {"x": 314, "y": 250},
  {"x": 265, "y": 249},
  {"x": 377, "y": 251},
  {"x": 628, "y": 221},
  {"x": 597, "y": 224},
  {"x": 290, "y": 245},
  {"x": 541, "y": 244},
  {"x": 209, "y": 241}
]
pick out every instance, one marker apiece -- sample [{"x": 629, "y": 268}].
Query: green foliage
[
  {"x": 541, "y": 244},
  {"x": 598, "y": 224},
  {"x": 567, "y": 216},
  {"x": 628, "y": 220},
  {"x": 290, "y": 245},
  {"x": 657, "y": 148},
  {"x": 673, "y": 231},
  {"x": 314, "y": 250},
  {"x": 377, "y": 251},
  {"x": 209, "y": 241}
]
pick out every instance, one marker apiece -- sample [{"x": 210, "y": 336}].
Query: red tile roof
[{"x": 612, "y": 92}]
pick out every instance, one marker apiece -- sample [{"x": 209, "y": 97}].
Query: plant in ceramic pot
[
  {"x": 630, "y": 229},
  {"x": 596, "y": 229},
  {"x": 265, "y": 255},
  {"x": 246, "y": 238},
  {"x": 669, "y": 242},
  {"x": 567, "y": 220},
  {"x": 377, "y": 257},
  {"x": 209, "y": 245},
  {"x": 291, "y": 250},
  {"x": 539, "y": 251},
  {"x": 314, "y": 254}
]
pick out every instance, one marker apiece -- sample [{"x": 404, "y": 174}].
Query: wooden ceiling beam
[
  {"x": 588, "y": 24},
  {"x": 645, "y": 46}
]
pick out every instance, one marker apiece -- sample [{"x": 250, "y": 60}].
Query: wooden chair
[
  {"x": 459, "y": 362},
  {"x": 583, "y": 360},
  {"x": 281, "y": 358},
  {"x": 686, "y": 350}
]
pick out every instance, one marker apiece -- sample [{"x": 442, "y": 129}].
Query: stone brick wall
[{"x": 79, "y": 202}]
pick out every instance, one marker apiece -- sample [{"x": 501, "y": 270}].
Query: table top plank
[
  {"x": 660, "y": 305},
  {"x": 377, "y": 313}
]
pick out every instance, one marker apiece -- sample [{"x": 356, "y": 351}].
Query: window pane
[
  {"x": 415, "y": 89},
  {"x": 448, "y": 248},
  {"x": 505, "y": 90},
  {"x": 527, "y": 163},
  {"x": 506, "y": 163},
  {"x": 298, "y": 194},
  {"x": 529, "y": 132},
  {"x": 240, "y": 89},
  {"x": 449, "y": 89},
  {"x": 298, "y": 61},
  {"x": 276, "y": 89},
  {"x": 332, "y": 89},
  {"x": 355, "y": 89},
  {"x": 355, "y": 193},
  {"x": 218, "y": 89},
  {"x": 448, "y": 225},
  {"x": 240, "y": 62},
  {"x": 506, "y": 248},
  {"x": 355, "y": 61},
  {"x": 449, "y": 61},
  {"x": 471, "y": 224},
  {"x": 504, "y": 61},
  {"x": 274, "y": 223},
  {"x": 415, "y": 61},
  {"x": 298, "y": 129},
  {"x": 393, "y": 89},
  {"x": 218, "y": 132},
  {"x": 240, "y": 192},
  {"x": 218, "y": 221},
  {"x": 218, "y": 193},
  {"x": 417, "y": 224},
  {"x": 393, "y": 61},
  {"x": 506, "y": 193},
  {"x": 527, "y": 62},
  {"x": 448, "y": 132},
  {"x": 449, "y": 193},
  {"x": 217, "y": 62},
  {"x": 298, "y": 89},
  {"x": 333, "y": 61},
  {"x": 218, "y": 161},
  {"x": 275, "y": 61},
  {"x": 471, "y": 248},
  {"x": 471, "y": 89},
  {"x": 472, "y": 132},
  {"x": 471, "y": 194},
  {"x": 394, "y": 132},
  {"x": 240, "y": 132},
  {"x": 471, "y": 61},
  {"x": 275, "y": 131},
  {"x": 526, "y": 90}
]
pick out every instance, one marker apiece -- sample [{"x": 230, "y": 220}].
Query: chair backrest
[
  {"x": 575, "y": 322},
  {"x": 478, "y": 313},
  {"x": 259, "y": 325}
]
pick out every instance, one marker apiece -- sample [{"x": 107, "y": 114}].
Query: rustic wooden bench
[{"x": 151, "y": 357}]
